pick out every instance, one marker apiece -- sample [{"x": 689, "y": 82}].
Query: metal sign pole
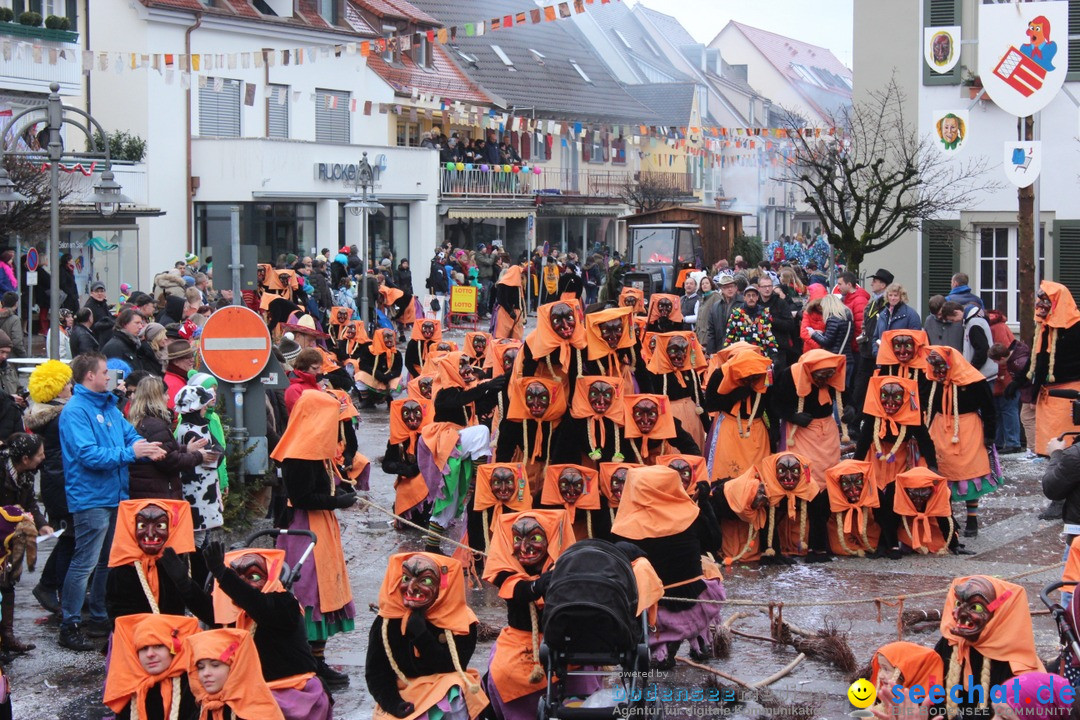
[{"x": 235, "y": 264}]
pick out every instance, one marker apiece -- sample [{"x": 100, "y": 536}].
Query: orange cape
[
  {"x": 740, "y": 493},
  {"x": 127, "y": 680},
  {"x": 511, "y": 277},
  {"x": 1063, "y": 312},
  {"x": 806, "y": 489},
  {"x": 560, "y": 535},
  {"x": 598, "y": 347},
  {"x": 742, "y": 365},
  {"x": 581, "y": 409},
  {"x": 225, "y": 611},
  {"x": 1007, "y": 636},
  {"x": 245, "y": 691},
  {"x": 379, "y": 345},
  {"x": 838, "y": 502},
  {"x": 496, "y": 351},
  {"x": 484, "y": 498},
  {"x": 590, "y": 496},
  {"x": 639, "y": 299},
  {"x": 125, "y": 548},
  {"x": 698, "y": 465},
  {"x": 937, "y": 506},
  {"x": 654, "y": 311},
  {"x": 654, "y": 505},
  {"x": 886, "y": 356},
  {"x": 468, "y": 345},
  {"x": 448, "y": 612},
  {"x": 811, "y": 362},
  {"x": 418, "y": 332},
  {"x": 961, "y": 372},
  {"x": 718, "y": 358},
  {"x": 544, "y": 341},
  {"x": 919, "y": 665},
  {"x": 390, "y": 295},
  {"x": 660, "y": 364},
  {"x": 908, "y": 414},
  {"x": 607, "y": 469},
  {"x": 312, "y": 432},
  {"x": 360, "y": 338}
]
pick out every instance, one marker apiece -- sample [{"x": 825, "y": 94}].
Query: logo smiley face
[{"x": 862, "y": 693}]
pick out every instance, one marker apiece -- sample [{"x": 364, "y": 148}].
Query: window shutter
[
  {"x": 71, "y": 12},
  {"x": 526, "y": 145},
  {"x": 586, "y": 146},
  {"x": 1074, "y": 41},
  {"x": 332, "y": 123},
  {"x": 277, "y": 113},
  {"x": 219, "y": 111},
  {"x": 937, "y": 13},
  {"x": 941, "y": 251},
  {"x": 514, "y": 142},
  {"x": 1067, "y": 254}
]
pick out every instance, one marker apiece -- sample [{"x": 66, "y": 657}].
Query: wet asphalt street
[{"x": 51, "y": 682}]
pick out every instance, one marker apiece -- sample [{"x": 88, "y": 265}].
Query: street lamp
[
  {"x": 106, "y": 197},
  {"x": 360, "y": 205}
]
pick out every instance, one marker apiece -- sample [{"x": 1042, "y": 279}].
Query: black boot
[
  {"x": 7, "y": 626},
  {"x": 971, "y": 527},
  {"x": 1053, "y": 511},
  {"x": 334, "y": 680}
]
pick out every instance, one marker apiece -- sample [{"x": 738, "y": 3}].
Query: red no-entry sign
[{"x": 235, "y": 344}]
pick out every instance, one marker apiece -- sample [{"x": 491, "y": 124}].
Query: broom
[
  {"x": 828, "y": 645},
  {"x": 722, "y": 635}
]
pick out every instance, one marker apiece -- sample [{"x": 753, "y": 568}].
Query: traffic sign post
[
  {"x": 236, "y": 347},
  {"x": 32, "y": 259}
]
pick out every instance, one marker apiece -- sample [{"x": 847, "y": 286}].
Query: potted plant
[
  {"x": 30, "y": 18},
  {"x": 57, "y": 22},
  {"x": 6, "y": 14}
]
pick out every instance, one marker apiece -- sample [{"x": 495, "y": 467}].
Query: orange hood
[
  {"x": 1063, "y": 312},
  {"x": 590, "y": 497},
  {"x": 484, "y": 498},
  {"x": 560, "y": 535},
  {"x": 812, "y": 361},
  {"x": 312, "y": 432},
  {"x": 598, "y": 347},
  {"x": 1007, "y": 636},
  {"x": 225, "y": 611},
  {"x": 544, "y": 341},
  {"x": 127, "y": 680},
  {"x": 245, "y": 691},
  {"x": 886, "y": 356},
  {"x": 448, "y": 612},
  {"x": 676, "y": 307},
  {"x": 654, "y": 505},
  {"x": 838, "y": 502},
  {"x": 805, "y": 489},
  {"x": 125, "y": 548}
]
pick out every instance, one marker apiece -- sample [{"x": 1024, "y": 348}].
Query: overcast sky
[{"x": 822, "y": 22}]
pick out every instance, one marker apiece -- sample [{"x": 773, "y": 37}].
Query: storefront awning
[{"x": 472, "y": 214}]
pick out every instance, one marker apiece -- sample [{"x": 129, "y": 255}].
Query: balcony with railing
[
  {"x": 527, "y": 182},
  {"x": 35, "y": 56}
]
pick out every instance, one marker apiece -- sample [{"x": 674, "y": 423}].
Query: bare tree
[
  {"x": 647, "y": 193},
  {"x": 877, "y": 179},
  {"x": 31, "y": 218}
]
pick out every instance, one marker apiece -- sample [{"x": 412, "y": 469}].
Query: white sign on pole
[
  {"x": 31, "y": 277},
  {"x": 1023, "y": 53},
  {"x": 951, "y": 130},
  {"x": 1022, "y": 161}
]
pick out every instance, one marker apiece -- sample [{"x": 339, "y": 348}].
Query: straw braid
[
  {"x": 174, "y": 710},
  {"x": 803, "y": 512},
  {"x": 955, "y": 415},
  {"x": 525, "y": 441},
  {"x": 877, "y": 437},
  {"x": 753, "y": 414},
  {"x": 945, "y": 548},
  {"x": 845, "y": 437},
  {"x": 930, "y": 404},
  {"x": 1036, "y": 348},
  {"x": 146, "y": 588},
  {"x": 1053, "y": 352},
  {"x": 588, "y": 523},
  {"x": 769, "y": 550},
  {"x": 547, "y": 458},
  {"x": 537, "y": 673},
  {"x": 746, "y": 547},
  {"x": 791, "y": 430},
  {"x": 952, "y": 679},
  {"x": 922, "y": 549},
  {"x": 594, "y": 452},
  {"x": 637, "y": 451},
  {"x": 618, "y": 456},
  {"x": 496, "y": 421},
  {"x": 466, "y": 681},
  {"x": 390, "y": 654},
  {"x": 550, "y": 367},
  {"x": 487, "y": 533},
  {"x": 842, "y": 540},
  {"x": 862, "y": 531},
  {"x": 695, "y": 381},
  {"x": 896, "y": 443},
  {"x": 664, "y": 385}
]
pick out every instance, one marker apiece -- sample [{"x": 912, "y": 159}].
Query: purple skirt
[
  {"x": 524, "y": 708},
  {"x": 690, "y": 624},
  {"x": 309, "y": 703},
  {"x": 306, "y": 589},
  {"x": 975, "y": 488}
]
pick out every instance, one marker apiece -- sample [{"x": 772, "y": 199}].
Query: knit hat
[
  {"x": 290, "y": 259},
  {"x": 192, "y": 398},
  {"x": 151, "y": 331},
  {"x": 289, "y": 349},
  {"x": 189, "y": 281},
  {"x": 5, "y": 341},
  {"x": 385, "y": 262},
  {"x": 125, "y": 289},
  {"x": 201, "y": 379},
  {"x": 47, "y": 380},
  {"x": 191, "y": 259}
]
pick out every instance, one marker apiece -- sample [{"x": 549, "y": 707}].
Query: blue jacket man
[
  {"x": 961, "y": 292},
  {"x": 97, "y": 444}
]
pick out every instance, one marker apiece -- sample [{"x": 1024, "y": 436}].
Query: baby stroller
[
  {"x": 1068, "y": 622},
  {"x": 590, "y": 621}
]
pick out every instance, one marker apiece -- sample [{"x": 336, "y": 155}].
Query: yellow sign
[{"x": 463, "y": 299}]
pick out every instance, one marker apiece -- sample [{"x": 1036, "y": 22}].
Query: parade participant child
[
  {"x": 1055, "y": 360},
  {"x": 961, "y": 418},
  {"x": 737, "y": 393},
  {"x": 808, "y": 426},
  {"x": 852, "y": 498},
  {"x": 652, "y": 430},
  {"x": 508, "y": 321},
  {"x": 632, "y": 297},
  {"x": 421, "y": 642},
  {"x": 306, "y": 453},
  {"x": 426, "y": 334},
  {"x": 902, "y": 352},
  {"x": 501, "y": 488},
  {"x": 554, "y": 348},
  {"x": 226, "y": 677},
  {"x": 202, "y": 487},
  {"x": 249, "y": 595},
  {"x": 986, "y": 638},
  {"x": 527, "y": 435},
  {"x": 922, "y": 503},
  {"x": 379, "y": 368},
  {"x": 139, "y": 579},
  {"x": 407, "y": 418},
  {"x": 611, "y": 341},
  {"x": 476, "y": 345},
  {"x": 524, "y": 548},
  {"x": 742, "y": 508},
  {"x": 907, "y": 665},
  {"x": 453, "y": 443},
  {"x": 893, "y": 439},
  {"x": 659, "y": 517},
  {"x": 798, "y": 510},
  {"x": 665, "y": 313},
  {"x": 147, "y": 677},
  {"x": 574, "y": 488},
  {"x": 675, "y": 365},
  {"x": 593, "y": 432}
]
